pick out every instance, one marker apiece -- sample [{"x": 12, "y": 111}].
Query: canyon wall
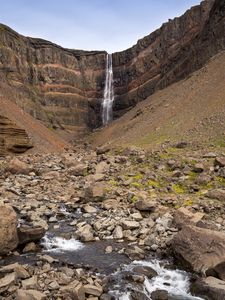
[
  {"x": 61, "y": 87},
  {"x": 169, "y": 54},
  {"x": 64, "y": 88}
]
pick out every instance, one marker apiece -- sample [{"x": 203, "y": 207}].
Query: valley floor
[{"x": 115, "y": 207}]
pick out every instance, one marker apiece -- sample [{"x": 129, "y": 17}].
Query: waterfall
[{"x": 107, "y": 104}]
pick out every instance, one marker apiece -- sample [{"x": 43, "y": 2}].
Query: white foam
[
  {"x": 59, "y": 244},
  {"x": 175, "y": 282}
]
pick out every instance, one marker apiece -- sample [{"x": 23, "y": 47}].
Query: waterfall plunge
[{"x": 107, "y": 104}]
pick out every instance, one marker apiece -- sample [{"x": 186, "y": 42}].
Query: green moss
[
  {"x": 112, "y": 182},
  {"x": 188, "y": 203},
  {"x": 178, "y": 189},
  {"x": 220, "y": 180},
  {"x": 153, "y": 183},
  {"x": 134, "y": 199},
  {"x": 137, "y": 185},
  {"x": 138, "y": 176}
]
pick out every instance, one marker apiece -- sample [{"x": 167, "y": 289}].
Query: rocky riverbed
[{"x": 101, "y": 224}]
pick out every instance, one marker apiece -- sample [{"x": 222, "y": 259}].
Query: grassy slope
[{"x": 192, "y": 109}]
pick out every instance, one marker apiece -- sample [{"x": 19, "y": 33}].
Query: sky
[{"x": 111, "y": 25}]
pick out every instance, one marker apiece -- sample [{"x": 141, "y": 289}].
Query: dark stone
[
  {"x": 159, "y": 295},
  {"x": 29, "y": 234}
]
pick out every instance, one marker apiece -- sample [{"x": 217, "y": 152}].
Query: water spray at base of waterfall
[
  {"x": 107, "y": 103},
  {"x": 59, "y": 244}
]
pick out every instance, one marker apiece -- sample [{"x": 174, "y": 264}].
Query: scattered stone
[
  {"x": 218, "y": 194},
  {"x": 29, "y": 295},
  {"x": 143, "y": 205},
  {"x": 93, "y": 290}
]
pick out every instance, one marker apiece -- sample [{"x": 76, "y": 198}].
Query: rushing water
[
  {"x": 107, "y": 104},
  {"x": 174, "y": 281}
]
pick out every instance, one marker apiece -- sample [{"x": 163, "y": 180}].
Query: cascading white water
[{"x": 107, "y": 103}]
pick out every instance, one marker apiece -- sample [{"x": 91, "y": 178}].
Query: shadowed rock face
[{"x": 64, "y": 88}]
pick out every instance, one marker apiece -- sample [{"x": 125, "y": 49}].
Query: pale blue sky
[{"x": 111, "y": 25}]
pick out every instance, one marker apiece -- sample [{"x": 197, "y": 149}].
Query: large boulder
[
  {"x": 8, "y": 229},
  {"x": 199, "y": 249},
  {"x": 29, "y": 234},
  {"x": 210, "y": 288}
]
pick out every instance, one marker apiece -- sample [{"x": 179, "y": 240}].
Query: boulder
[
  {"x": 159, "y": 295},
  {"x": 183, "y": 217},
  {"x": 118, "y": 233},
  {"x": 126, "y": 224},
  {"x": 29, "y": 234},
  {"x": 78, "y": 170},
  {"x": 218, "y": 194},
  {"x": 198, "y": 168},
  {"x": 16, "y": 166},
  {"x": 75, "y": 290},
  {"x": 209, "y": 288},
  {"x": 8, "y": 229},
  {"x": 220, "y": 161},
  {"x": 85, "y": 233},
  {"x": 91, "y": 289},
  {"x": 8, "y": 280},
  {"x": 199, "y": 249},
  {"x": 95, "y": 192},
  {"x": 145, "y": 270},
  {"x": 144, "y": 205},
  {"x": 29, "y": 295}
]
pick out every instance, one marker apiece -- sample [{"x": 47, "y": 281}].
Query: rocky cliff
[
  {"x": 169, "y": 54},
  {"x": 64, "y": 88},
  {"x": 61, "y": 87}
]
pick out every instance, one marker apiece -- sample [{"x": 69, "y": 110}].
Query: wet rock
[
  {"x": 159, "y": 295},
  {"x": 106, "y": 297},
  {"x": 8, "y": 229},
  {"x": 209, "y": 288},
  {"x": 30, "y": 247},
  {"x": 29, "y": 295},
  {"x": 29, "y": 234},
  {"x": 144, "y": 205},
  {"x": 218, "y": 194},
  {"x": 137, "y": 295},
  {"x": 108, "y": 249},
  {"x": 145, "y": 270},
  {"x": 86, "y": 233},
  {"x": 118, "y": 233},
  {"x": 91, "y": 289},
  {"x": 199, "y": 249}
]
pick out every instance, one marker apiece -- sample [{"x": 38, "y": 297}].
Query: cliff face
[
  {"x": 61, "y": 87},
  {"x": 169, "y": 54},
  {"x": 64, "y": 88}
]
